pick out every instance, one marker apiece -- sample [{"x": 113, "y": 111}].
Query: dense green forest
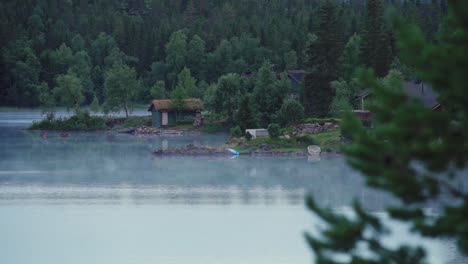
[{"x": 115, "y": 53}]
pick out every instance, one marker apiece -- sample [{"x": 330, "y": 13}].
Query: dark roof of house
[
  {"x": 421, "y": 91},
  {"x": 363, "y": 94},
  {"x": 363, "y": 114},
  {"x": 296, "y": 75},
  {"x": 248, "y": 73},
  {"x": 191, "y": 104}
]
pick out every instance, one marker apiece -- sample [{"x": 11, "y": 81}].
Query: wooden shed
[{"x": 164, "y": 112}]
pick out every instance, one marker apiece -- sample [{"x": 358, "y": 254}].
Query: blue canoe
[{"x": 233, "y": 151}]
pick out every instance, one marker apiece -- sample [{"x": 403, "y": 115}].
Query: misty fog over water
[{"x": 102, "y": 197}]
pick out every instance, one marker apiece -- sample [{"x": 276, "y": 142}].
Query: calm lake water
[{"x": 102, "y": 197}]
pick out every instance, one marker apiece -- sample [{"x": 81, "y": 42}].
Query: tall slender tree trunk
[{"x": 126, "y": 110}]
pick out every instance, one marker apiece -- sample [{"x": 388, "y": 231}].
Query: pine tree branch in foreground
[{"x": 413, "y": 152}]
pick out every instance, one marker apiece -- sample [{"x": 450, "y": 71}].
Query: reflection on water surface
[{"x": 104, "y": 198}]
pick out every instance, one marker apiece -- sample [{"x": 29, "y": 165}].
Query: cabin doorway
[{"x": 164, "y": 119}]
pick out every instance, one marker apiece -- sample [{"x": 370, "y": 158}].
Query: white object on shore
[
  {"x": 314, "y": 150},
  {"x": 259, "y": 132},
  {"x": 233, "y": 151}
]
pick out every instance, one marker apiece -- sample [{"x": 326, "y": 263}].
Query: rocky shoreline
[
  {"x": 151, "y": 131},
  {"x": 192, "y": 150},
  {"x": 313, "y": 128},
  {"x": 278, "y": 153}
]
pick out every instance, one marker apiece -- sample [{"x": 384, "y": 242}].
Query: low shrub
[
  {"x": 236, "y": 132},
  {"x": 286, "y": 130},
  {"x": 80, "y": 121},
  {"x": 274, "y": 130},
  {"x": 328, "y": 140},
  {"x": 307, "y": 140},
  {"x": 291, "y": 112}
]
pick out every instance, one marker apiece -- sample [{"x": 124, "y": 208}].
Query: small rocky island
[
  {"x": 308, "y": 139},
  {"x": 193, "y": 150},
  {"x": 152, "y": 131}
]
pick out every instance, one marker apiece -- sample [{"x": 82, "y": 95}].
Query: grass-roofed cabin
[{"x": 164, "y": 112}]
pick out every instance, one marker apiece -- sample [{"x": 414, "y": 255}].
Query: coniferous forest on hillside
[
  {"x": 380, "y": 84},
  {"x": 74, "y": 53}
]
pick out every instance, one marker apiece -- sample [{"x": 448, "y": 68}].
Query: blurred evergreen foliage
[{"x": 415, "y": 153}]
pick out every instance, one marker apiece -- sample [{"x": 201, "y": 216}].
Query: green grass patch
[
  {"x": 290, "y": 150},
  {"x": 275, "y": 142},
  {"x": 328, "y": 140}
]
